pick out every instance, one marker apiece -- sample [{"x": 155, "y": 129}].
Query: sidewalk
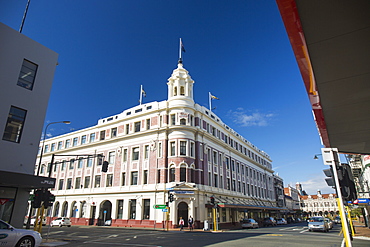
[{"x": 361, "y": 230}]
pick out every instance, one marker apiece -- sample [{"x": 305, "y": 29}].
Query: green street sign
[
  {"x": 31, "y": 197},
  {"x": 159, "y": 206}
]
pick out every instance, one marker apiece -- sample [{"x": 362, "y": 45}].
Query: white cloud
[
  {"x": 240, "y": 116},
  {"x": 312, "y": 185}
]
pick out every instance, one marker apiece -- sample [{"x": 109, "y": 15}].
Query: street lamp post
[
  {"x": 38, "y": 168},
  {"x": 43, "y": 142}
]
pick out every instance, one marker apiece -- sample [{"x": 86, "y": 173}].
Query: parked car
[
  {"x": 269, "y": 221},
  {"x": 249, "y": 223},
  {"x": 318, "y": 224},
  {"x": 290, "y": 220},
  {"x": 337, "y": 220},
  {"x": 281, "y": 221},
  {"x": 10, "y": 236},
  {"x": 61, "y": 221},
  {"x": 330, "y": 223},
  {"x": 32, "y": 222}
]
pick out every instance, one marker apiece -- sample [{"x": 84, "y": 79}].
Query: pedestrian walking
[
  {"x": 191, "y": 222},
  {"x": 181, "y": 223}
]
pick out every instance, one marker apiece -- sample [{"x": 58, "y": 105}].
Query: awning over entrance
[
  {"x": 13, "y": 179},
  {"x": 250, "y": 203}
]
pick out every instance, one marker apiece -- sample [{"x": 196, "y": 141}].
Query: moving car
[
  {"x": 10, "y": 236},
  {"x": 281, "y": 221},
  {"x": 318, "y": 224},
  {"x": 249, "y": 223},
  {"x": 337, "y": 220},
  {"x": 61, "y": 221},
  {"x": 269, "y": 221}
]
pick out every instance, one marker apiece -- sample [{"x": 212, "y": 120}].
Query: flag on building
[
  {"x": 213, "y": 97},
  {"x": 143, "y": 92},
  {"x": 182, "y": 46}
]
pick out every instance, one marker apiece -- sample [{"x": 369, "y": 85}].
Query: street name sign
[{"x": 159, "y": 206}]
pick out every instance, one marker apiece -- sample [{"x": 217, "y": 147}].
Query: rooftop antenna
[{"x": 24, "y": 16}]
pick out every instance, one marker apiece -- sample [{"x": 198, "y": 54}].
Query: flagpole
[
  {"x": 210, "y": 101},
  {"x": 180, "y": 58},
  {"x": 141, "y": 94}
]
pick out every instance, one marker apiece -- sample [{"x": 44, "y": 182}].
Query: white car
[
  {"x": 249, "y": 223},
  {"x": 61, "y": 221},
  {"x": 10, "y": 236},
  {"x": 281, "y": 221}
]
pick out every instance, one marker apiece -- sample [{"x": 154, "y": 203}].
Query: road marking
[
  {"x": 286, "y": 228},
  {"x": 274, "y": 235}
]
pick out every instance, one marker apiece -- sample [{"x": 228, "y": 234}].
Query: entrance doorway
[
  {"x": 105, "y": 213},
  {"x": 182, "y": 211}
]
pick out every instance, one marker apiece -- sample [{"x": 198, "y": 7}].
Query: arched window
[
  {"x": 175, "y": 91},
  {"x": 182, "y": 91},
  {"x": 183, "y": 173},
  {"x": 182, "y": 121},
  {"x": 172, "y": 174},
  {"x": 56, "y": 209},
  {"x": 64, "y": 209}
]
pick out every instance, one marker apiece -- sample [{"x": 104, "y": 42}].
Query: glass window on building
[
  {"x": 227, "y": 163},
  {"x": 55, "y": 167},
  {"x": 192, "y": 149},
  {"x": 83, "y": 139},
  {"x": 146, "y": 152},
  {"x": 173, "y": 119},
  {"x": 137, "y": 126},
  {"x": 182, "y": 121},
  {"x": 114, "y": 132},
  {"x": 102, "y": 135},
  {"x": 132, "y": 209},
  {"x": 87, "y": 182},
  {"x": 97, "y": 181},
  {"x": 127, "y": 129},
  {"x": 69, "y": 183},
  {"x": 119, "y": 209},
  {"x": 78, "y": 183},
  {"x": 64, "y": 165},
  {"x": 89, "y": 161},
  {"x": 124, "y": 156},
  {"x": 80, "y": 163},
  {"x": 134, "y": 178},
  {"x": 112, "y": 157},
  {"x": 52, "y": 148},
  {"x": 148, "y": 123},
  {"x": 27, "y": 75},
  {"x": 215, "y": 184},
  {"x": 71, "y": 164},
  {"x": 92, "y": 137},
  {"x": 159, "y": 149},
  {"x": 145, "y": 177},
  {"x": 172, "y": 174},
  {"x": 123, "y": 183},
  {"x": 46, "y": 149},
  {"x": 215, "y": 157},
  {"x": 67, "y": 144},
  {"x": 183, "y": 174},
  {"x": 135, "y": 153},
  {"x": 183, "y": 147},
  {"x": 60, "y": 144},
  {"x": 75, "y": 140},
  {"x": 146, "y": 209},
  {"x": 109, "y": 180},
  {"x": 172, "y": 149},
  {"x": 14, "y": 125},
  {"x": 61, "y": 183}
]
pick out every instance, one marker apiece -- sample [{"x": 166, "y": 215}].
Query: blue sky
[{"x": 237, "y": 50}]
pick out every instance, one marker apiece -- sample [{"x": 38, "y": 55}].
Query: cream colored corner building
[{"x": 155, "y": 149}]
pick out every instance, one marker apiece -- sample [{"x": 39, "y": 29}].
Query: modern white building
[
  {"x": 26, "y": 75},
  {"x": 156, "y": 149}
]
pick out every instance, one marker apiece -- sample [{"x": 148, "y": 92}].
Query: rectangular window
[
  {"x": 78, "y": 183},
  {"x": 83, "y": 139},
  {"x": 87, "y": 182},
  {"x": 109, "y": 180},
  {"x": 233, "y": 165},
  {"x": 159, "y": 149},
  {"x": 80, "y": 163},
  {"x": 209, "y": 155},
  {"x": 183, "y": 147},
  {"x": 102, "y": 135},
  {"x": 71, "y": 164},
  {"x": 14, "y": 124},
  {"x": 64, "y": 165},
  {"x": 132, "y": 207},
  {"x": 92, "y": 137},
  {"x": 69, "y": 183},
  {"x": 68, "y": 143},
  {"x": 75, "y": 141},
  {"x": 61, "y": 183},
  {"x": 137, "y": 126},
  {"x": 134, "y": 178},
  {"x": 216, "y": 180},
  {"x": 173, "y": 119},
  {"x": 27, "y": 74},
  {"x": 127, "y": 129},
  {"x": 172, "y": 148},
  {"x": 182, "y": 174},
  {"x": 52, "y": 148},
  {"x": 201, "y": 151},
  {"x": 112, "y": 157},
  {"x": 99, "y": 159},
  {"x": 125, "y": 155},
  {"x": 135, "y": 153},
  {"x": 89, "y": 162},
  {"x": 146, "y": 209},
  {"x": 123, "y": 183},
  {"x": 146, "y": 152},
  {"x": 60, "y": 144},
  {"x": 97, "y": 181},
  {"x": 145, "y": 177},
  {"x": 215, "y": 157},
  {"x": 148, "y": 124},
  {"x": 114, "y": 132},
  {"x": 56, "y": 164},
  {"x": 46, "y": 149},
  {"x": 192, "y": 149},
  {"x": 119, "y": 209}
]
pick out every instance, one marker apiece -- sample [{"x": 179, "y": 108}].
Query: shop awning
[{"x": 14, "y": 179}]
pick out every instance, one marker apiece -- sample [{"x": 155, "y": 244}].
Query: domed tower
[{"x": 180, "y": 87}]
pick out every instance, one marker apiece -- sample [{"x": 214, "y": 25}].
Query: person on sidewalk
[
  {"x": 191, "y": 222},
  {"x": 181, "y": 223}
]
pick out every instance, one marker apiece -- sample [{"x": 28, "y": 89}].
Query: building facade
[
  {"x": 26, "y": 75},
  {"x": 173, "y": 148},
  {"x": 292, "y": 201},
  {"x": 319, "y": 204}
]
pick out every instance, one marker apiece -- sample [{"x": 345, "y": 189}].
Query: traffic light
[
  {"x": 347, "y": 185},
  {"x": 105, "y": 166},
  {"x": 170, "y": 197},
  {"x": 48, "y": 199},
  {"x": 212, "y": 200},
  {"x": 38, "y": 198}
]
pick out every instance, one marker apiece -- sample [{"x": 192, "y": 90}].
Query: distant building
[
  {"x": 319, "y": 204},
  {"x": 26, "y": 75},
  {"x": 156, "y": 151},
  {"x": 292, "y": 201}
]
